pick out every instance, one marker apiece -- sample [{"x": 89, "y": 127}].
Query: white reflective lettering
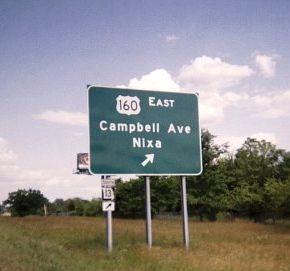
[
  {"x": 187, "y": 129},
  {"x": 102, "y": 127},
  {"x": 171, "y": 129},
  {"x": 141, "y": 142},
  {"x": 123, "y": 127},
  {"x": 132, "y": 128},
  {"x": 151, "y": 101},
  {"x": 112, "y": 126},
  {"x": 139, "y": 127},
  {"x": 148, "y": 128},
  {"x": 158, "y": 144},
  {"x": 136, "y": 142},
  {"x": 160, "y": 102}
]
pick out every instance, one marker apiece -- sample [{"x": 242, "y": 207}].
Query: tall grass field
[{"x": 78, "y": 243}]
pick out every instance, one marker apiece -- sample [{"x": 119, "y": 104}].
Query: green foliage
[
  {"x": 25, "y": 202},
  {"x": 208, "y": 192},
  {"x": 92, "y": 208},
  {"x": 130, "y": 199},
  {"x": 248, "y": 201},
  {"x": 258, "y": 193},
  {"x": 286, "y": 203},
  {"x": 275, "y": 194},
  {"x": 165, "y": 194},
  {"x": 256, "y": 161},
  {"x": 283, "y": 167},
  {"x": 76, "y": 206},
  {"x": 1, "y": 208},
  {"x": 254, "y": 183}
]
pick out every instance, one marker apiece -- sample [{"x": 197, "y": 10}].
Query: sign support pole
[
  {"x": 109, "y": 231},
  {"x": 184, "y": 213},
  {"x": 148, "y": 213}
]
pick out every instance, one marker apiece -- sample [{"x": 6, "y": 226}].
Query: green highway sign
[{"x": 143, "y": 132}]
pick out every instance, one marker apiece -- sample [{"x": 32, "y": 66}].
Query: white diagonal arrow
[{"x": 149, "y": 158}]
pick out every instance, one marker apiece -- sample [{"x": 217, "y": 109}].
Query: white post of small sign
[
  {"x": 148, "y": 213},
  {"x": 108, "y": 206},
  {"x": 109, "y": 231},
  {"x": 184, "y": 212}
]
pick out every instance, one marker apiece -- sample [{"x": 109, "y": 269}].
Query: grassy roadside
[{"x": 78, "y": 243}]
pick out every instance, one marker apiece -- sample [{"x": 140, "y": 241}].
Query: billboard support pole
[
  {"x": 109, "y": 231},
  {"x": 148, "y": 213},
  {"x": 184, "y": 213}
]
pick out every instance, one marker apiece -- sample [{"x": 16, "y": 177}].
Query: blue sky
[{"x": 234, "y": 53}]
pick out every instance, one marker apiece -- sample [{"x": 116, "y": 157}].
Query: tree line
[
  {"x": 253, "y": 182},
  {"x": 33, "y": 202}
]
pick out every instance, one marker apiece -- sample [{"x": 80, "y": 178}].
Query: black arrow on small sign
[{"x": 109, "y": 205}]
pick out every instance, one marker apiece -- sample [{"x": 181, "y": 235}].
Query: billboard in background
[{"x": 83, "y": 162}]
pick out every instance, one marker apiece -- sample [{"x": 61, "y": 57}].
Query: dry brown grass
[{"x": 76, "y": 243}]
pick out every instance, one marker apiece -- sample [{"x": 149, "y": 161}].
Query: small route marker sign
[
  {"x": 108, "y": 183},
  {"x": 108, "y": 193},
  {"x": 143, "y": 132},
  {"x": 108, "y": 206}
]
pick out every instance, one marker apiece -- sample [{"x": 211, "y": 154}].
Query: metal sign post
[
  {"x": 184, "y": 213},
  {"x": 109, "y": 231},
  {"x": 148, "y": 212},
  {"x": 108, "y": 206}
]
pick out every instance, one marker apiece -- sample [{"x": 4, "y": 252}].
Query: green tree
[
  {"x": 247, "y": 201},
  {"x": 58, "y": 206},
  {"x": 92, "y": 208},
  {"x": 275, "y": 196},
  {"x": 130, "y": 199},
  {"x": 257, "y": 165},
  {"x": 165, "y": 194},
  {"x": 284, "y": 166},
  {"x": 207, "y": 193},
  {"x": 286, "y": 203},
  {"x": 80, "y": 206},
  {"x": 70, "y": 205},
  {"x": 256, "y": 161},
  {"x": 1, "y": 208},
  {"x": 25, "y": 202}
]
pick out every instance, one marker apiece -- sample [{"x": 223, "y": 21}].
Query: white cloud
[
  {"x": 171, "y": 38},
  {"x": 236, "y": 142},
  {"x": 64, "y": 117},
  {"x": 213, "y": 104},
  {"x": 273, "y": 105},
  {"x": 78, "y": 134},
  {"x": 52, "y": 184},
  {"x": 59, "y": 183},
  {"x": 266, "y": 65},
  {"x": 209, "y": 113},
  {"x": 206, "y": 73},
  {"x": 212, "y": 78},
  {"x": 69, "y": 186},
  {"x": 20, "y": 174},
  {"x": 159, "y": 79},
  {"x": 6, "y": 154},
  {"x": 271, "y": 137}
]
